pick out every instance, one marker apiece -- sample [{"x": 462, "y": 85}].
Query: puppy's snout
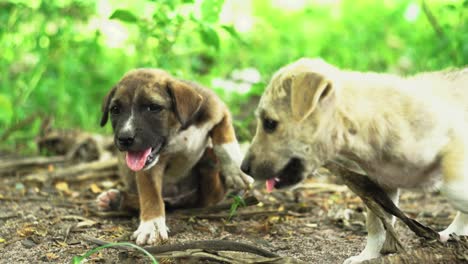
[
  {"x": 126, "y": 140},
  {"x": 245, "y": 167},
  {"x": 247, "y": 164}
]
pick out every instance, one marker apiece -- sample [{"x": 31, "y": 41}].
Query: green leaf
[
  {"x": 124, "y": 15},
  {"x": 209, "y": 36},
  {"x": 77, "y": 260},
  {"x": 233, "y": 32},
  {"x": 210, "y": 10},
  {"x": 238, "y": 201},
  {"x": 6, "y": 109}
]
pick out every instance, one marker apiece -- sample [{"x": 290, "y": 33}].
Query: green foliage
[
  {"x": 60, "y": 57},
  {"x": 124, "y": 15},
  {"x": 80, "y": 259},
  {"x": 6, "y": 109},
  {"x": 238, "y": 202}
]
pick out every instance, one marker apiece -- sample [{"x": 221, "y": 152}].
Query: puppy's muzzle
[
  {"x": 125, "y": 140},
  {"x": 245, "y": 167},
  {"x": 258, "y": 170}
]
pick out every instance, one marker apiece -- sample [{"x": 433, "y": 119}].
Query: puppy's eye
[
  {"x": 154, "y": 108},
  {"x": 115, "y": 110},
  {"x": 269, "y": 125}
]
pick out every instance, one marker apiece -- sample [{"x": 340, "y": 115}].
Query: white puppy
[{"x": 403, "y": 132}]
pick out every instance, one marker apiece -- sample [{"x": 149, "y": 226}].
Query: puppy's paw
[
  {"x": 234, "y": 178},
  {"x": 151, "y": 232},
  {"x": 360, "y": 258},
  {"x": 230, "y": 159},
  {"x": 444, "y": 236},
  {"x": 108, "y": 200}
]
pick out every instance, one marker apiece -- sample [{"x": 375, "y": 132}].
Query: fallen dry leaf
[
  {"x": 108, "y": 184},
  {"x": 62, "y": 244},
  {"x": 116, "y": 230},
  {"x": 62, "y": 187},
  {"x": 95, "y": 189},
  {"x": 30, "y": 229},
  {"x": 86, "y": 223},
  {"x": 52, "y": 256}
]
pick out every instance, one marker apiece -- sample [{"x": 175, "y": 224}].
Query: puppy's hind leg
[
  {"x": 210, "y": 186},
  {"x": 120, "y": 200},
  {"x": 115, "y": 200},
  {"x": 376, "y": 234}
]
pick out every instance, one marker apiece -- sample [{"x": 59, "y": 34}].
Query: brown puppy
[
  {"x": 403, "y": 132},
  {"x": 171, "y": 133}
]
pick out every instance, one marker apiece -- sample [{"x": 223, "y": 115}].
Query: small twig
[
  {"x": 42, "y": 199},
  {"x": 241, "y": 214},
  {"x": 67, "y": 233},
  {"x": 316, "y": 188},
  {"x": 111, "y": 213},
  {"x": 175, "y": 214},
  {"x": 432, "y": 20},
  {"x": 65, "y": 173},
  {"x": 9, "y": 242},
  {"x": 23, "y": 199},
  {"x": 6, "y": 217},
  {"x": 74, "y": 217},
  {"x": 7, "y": 165},
  {"x": 21, "y": 124},
  {"x": 212, "y": 245},
  {"x": 437, "y": 28},
  {"x": 92, "y": 176},
  {"x": 250, "y": 200}
]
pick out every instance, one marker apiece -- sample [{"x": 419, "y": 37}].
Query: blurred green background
[{"x": 59, "y": 57}]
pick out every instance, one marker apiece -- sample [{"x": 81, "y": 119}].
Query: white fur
[
  {"x": 129, "y": 126},
  {"x": 408, "y": 132},
  {"x": 230, "y": 157},
  {"x": 457, "y": 194},
  {"x": 459, "y": 226},
  {"x": 234, "y": 152},
  {"x": 376, "y": 234},
  {"x": 372, "y": 249},
  {"x": 193, "y": 140},
  {"x": 152, "y": 231},
  {"x": 189, "y": 145}
]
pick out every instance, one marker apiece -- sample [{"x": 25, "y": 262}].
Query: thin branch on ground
[{"x": 210, "y": 249}]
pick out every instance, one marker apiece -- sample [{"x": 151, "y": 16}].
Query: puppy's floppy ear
[
  {"x": 105, "y": 106},
  {"x": 308, "y": 89},
  {"x": 186, "y": 101}
]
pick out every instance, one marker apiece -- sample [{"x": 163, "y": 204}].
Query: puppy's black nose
[
  {"x": 245, "y": 167},
  {"x": 126, "y": 140}
]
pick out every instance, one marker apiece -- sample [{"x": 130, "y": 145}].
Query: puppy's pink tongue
[
  {"x": 136, "y": 160},
  {"x": 270, "y": 184}
]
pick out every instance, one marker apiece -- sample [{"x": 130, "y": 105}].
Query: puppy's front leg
[
  {"x": 152, "y": 228},
  {"x": 227, "y": 150},
  {"x": 376, "y": 234},
  {"x": 455, "y": 182}
]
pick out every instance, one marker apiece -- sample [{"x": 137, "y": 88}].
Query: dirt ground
[{"x": 320, "y": 222}]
